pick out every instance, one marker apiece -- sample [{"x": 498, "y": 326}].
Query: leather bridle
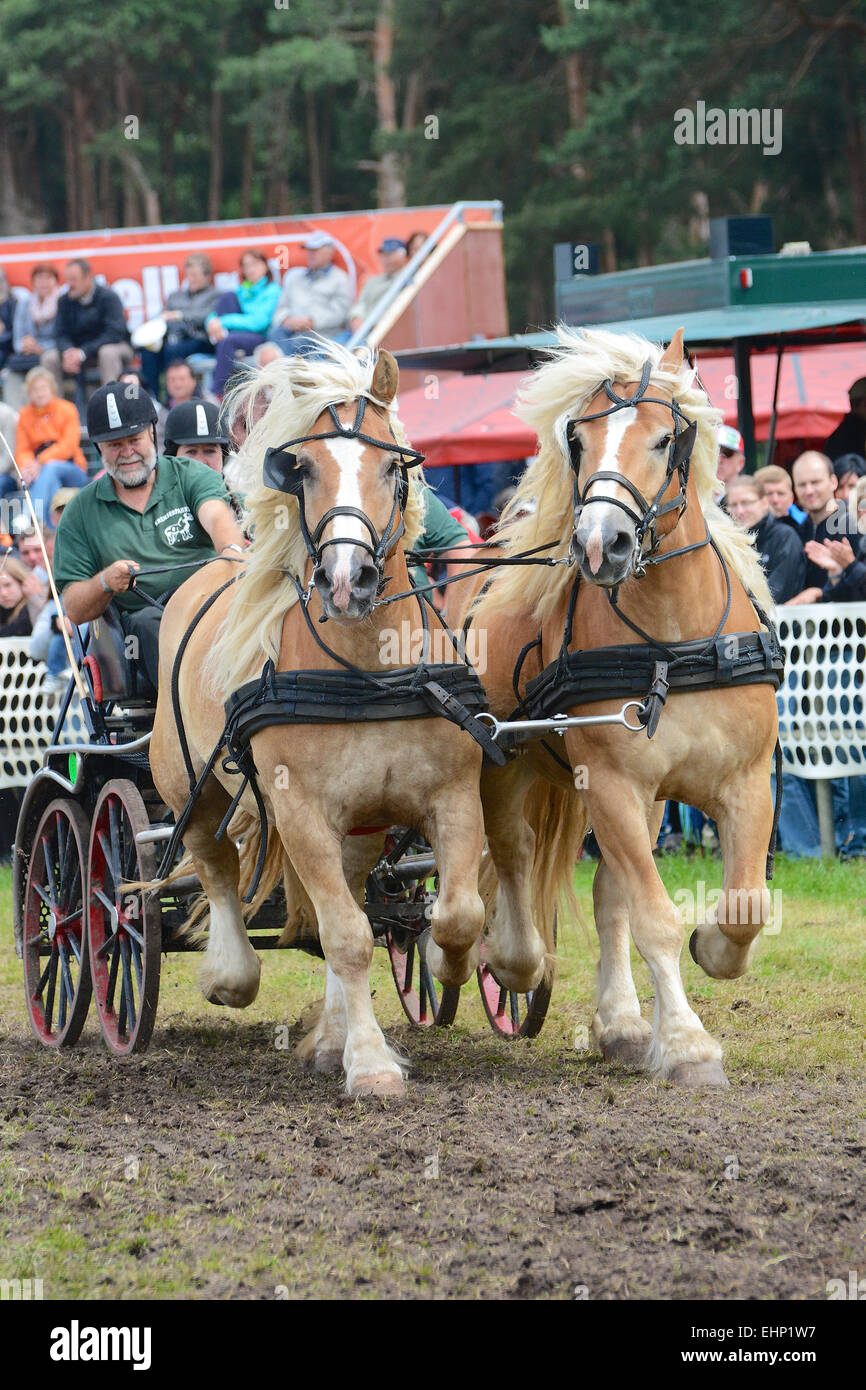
[
  {"x": 282, "y": 472},
  {"x": 679, "y": 454}
]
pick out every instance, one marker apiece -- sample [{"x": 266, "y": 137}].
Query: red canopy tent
[{"x": 470, "y": 419}]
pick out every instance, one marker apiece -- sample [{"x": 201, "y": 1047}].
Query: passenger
[{"x": 147, "y": 511}]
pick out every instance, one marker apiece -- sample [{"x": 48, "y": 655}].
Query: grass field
[{"x": 252, "y": 1176}]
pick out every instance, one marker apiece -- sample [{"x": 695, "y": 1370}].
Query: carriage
[{"x": 92, "y": 823}]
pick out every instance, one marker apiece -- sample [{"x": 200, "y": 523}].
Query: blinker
[{"x": 281, "y": 472}]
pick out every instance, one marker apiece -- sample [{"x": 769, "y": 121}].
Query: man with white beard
[{"x": 147, "y": 512}]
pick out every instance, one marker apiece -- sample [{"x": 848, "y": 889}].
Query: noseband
[
  {"x": 679, "y": 454},
  {"x": 281, "y": 472}
]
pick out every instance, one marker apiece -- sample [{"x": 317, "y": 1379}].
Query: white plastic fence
[
  {"x": 27, "y": 714},
  {"x": 822, "y": 704}
]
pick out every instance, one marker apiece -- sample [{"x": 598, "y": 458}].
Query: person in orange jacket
[{"x": 48, "y": 442}]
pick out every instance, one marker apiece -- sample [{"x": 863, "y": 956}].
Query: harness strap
[{"x": 175, "y": 676}]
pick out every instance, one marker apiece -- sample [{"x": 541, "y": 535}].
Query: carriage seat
[{"x": 114, "y": 675}]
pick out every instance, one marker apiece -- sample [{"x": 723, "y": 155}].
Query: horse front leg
[
  {"x": 370, "y": 1065},
  {"x": 722, "y": 944},
  {"x": 618, "y": 1028},
  {"x": 681, "y": 1050},
  {"x": 454, "y": 827}
]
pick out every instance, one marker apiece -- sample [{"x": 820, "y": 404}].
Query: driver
[{"x": 147, "y": 511}]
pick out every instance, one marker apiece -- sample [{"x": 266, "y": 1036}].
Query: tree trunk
[
  {"x": 217, "y": 163},
  {"x": 575, "y": 89},
  {"x": 247, "y": 171},
  {"x": 149, "y": 195},
  {"x": 391, "y": 191},
  {"x": 83, "y": 133},
  {"x": 314, "y": 152},
  {"x": 70, "y": 172},
  {"x": 855, "y": 150}
]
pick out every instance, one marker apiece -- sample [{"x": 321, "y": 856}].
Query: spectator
[
  {"x": 844, "y": 560},
  {"x": 181, "y": 385},
  {"x": 779, "y": 492},
  {"x": 185, "y": 313},
  {"x": 414, "y": 242},
  {"x": 8, "y": 433},
  {"x": 242, "y": 317},
  {"x": 781, "y": 551},
  {"x": 849, "y": 436},
  {"x": 30, "y": 551},
  {"x": 33, "y": 333},
  {"x": 315, "y": 300},
  {"x": 814, "y": 484},
  {"x": 91, "y": 328},
  {"x": 48, "y": 444},
  {"x": 731, "y": 458},
  {"x": 849, "y": 469},
  {"x": 7, "y": 317},
  {"x": 393, "y": 256},
  {"x": 22, "y": 598},
  {"x": 266, "y": 353}
]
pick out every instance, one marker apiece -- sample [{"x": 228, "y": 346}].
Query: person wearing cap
[
  {"x": 185, "y": 312},
  {"x": 732, "y": 458},
  {"x": 147, "y": 512},
  {"x": 394, "y": 257},
  {"x": 194, "y": 430},
  {"x": 849, "y": 436},
  {"x": 314, "y": 300}
]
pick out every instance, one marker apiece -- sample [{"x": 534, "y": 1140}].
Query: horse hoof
[
  {"x": 694, "y": 1074},
  {"x": 629, "y": 1052},
  {"x": 328, "y": 1062},
  {"x": 382, "y": 1083}
]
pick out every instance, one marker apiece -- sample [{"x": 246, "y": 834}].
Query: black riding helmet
[
  {"x": 119, "y": 409},
  {"x": 195, "y": 422}
]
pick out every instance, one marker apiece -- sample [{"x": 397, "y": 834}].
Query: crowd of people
[{"x": 809, "y": 523}]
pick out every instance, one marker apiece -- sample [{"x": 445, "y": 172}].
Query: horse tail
[{"x": 558, "y": 818}]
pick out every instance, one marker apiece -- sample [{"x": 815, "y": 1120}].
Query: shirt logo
[{"x": 180, "y": 530}]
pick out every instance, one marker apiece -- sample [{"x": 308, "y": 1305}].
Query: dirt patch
[{"x": 215, "y": 1167}]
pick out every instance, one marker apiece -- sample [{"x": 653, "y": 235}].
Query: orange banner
[{"x": 144, "y": 264}]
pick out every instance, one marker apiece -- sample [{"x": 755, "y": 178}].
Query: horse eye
[{"x": 664, "y": 442}]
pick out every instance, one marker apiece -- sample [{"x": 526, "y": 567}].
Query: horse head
[
  {"x": 349, "y": 475},
  {"x": 629, "y": 451}
]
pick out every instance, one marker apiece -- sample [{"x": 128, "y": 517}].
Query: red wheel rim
[
  {"x": 425, "y": 1002},
  {"x": 56, "y": 967},
  {"x": 124, "y": 928},
  {"x": 509, "y": 1014}
]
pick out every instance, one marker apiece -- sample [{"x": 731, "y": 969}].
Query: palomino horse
[
  {"x": 331, "y": 533},
  {"x": 603, "y": 474}
]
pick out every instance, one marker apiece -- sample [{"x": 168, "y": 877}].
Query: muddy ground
[{"x": 216, "y": 1167}]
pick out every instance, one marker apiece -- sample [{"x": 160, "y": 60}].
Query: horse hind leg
[
  {"x": 515, "y": 949},
  {"x": 231, "y": 971},
  {"x": 455, "y": 829}
]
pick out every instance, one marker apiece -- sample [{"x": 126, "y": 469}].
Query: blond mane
[
  {"x": 298, "y": 390},
  {"x": 542, "y": 507}
]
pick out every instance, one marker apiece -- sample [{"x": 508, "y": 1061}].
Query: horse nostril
[
  {"x": 367, "y": 581},
  {"x": 621, "y": 546}
]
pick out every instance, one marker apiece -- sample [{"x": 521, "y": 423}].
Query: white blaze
[
  {"x": 348, "y": 456},
  {"x": 617, "y": 424}
]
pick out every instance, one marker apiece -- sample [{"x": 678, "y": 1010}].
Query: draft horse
[
  {"x": 328, "y": 509},
  {"x": 623, "y": 483}
]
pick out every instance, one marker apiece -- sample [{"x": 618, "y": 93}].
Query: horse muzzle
[
  {"x": 604, "y": 547},
  {"x": 347, "y": 590}
]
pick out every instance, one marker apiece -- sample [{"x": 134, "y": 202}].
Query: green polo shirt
[
  {"x": 97, "y": 528},
  {"x": 441, "y": 532}
]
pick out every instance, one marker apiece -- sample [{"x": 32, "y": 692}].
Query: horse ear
[
  {"x": 385, "y": 378},
  {"x": 673, "y": 353}
]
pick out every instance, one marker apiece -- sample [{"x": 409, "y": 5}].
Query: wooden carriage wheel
[
  {"x": 124, "y": 924},
  {"x": 56, "y": 965}
]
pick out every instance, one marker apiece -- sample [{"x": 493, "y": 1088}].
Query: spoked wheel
[
  {"x": 514, "y": 1015},
  {"x": 56, "y": 965},
  {"x": 125, "y": 935},
  {"x": 425, "y": 1002}
]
